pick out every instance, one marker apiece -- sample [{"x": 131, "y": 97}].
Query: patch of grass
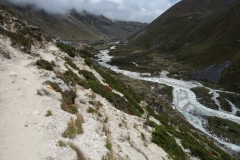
[
  {"x": 70, "y": 76},
  {"x": 67, "y": 49},
  {"x": 224, "y": 104},
  {"x": 91, "y": 102},
  {"x": 204, "y": 97},
  {"x": 44, "y": 64},
  {"x": 74, "y": 127},
  {"x": 143, "y": 136},
  {"x": 88, "y": 75},
  {"x": 130, "y": 95},
  {"x": 234, "y": 98},
  {"x": 68, "y": 102},
  {"x": 48, "y": 114},
  {"x": 70, "y": 63},
  {"x": 224, "y": 128},
  {"x": 106, "y": 120},
  {"x": 108, "y": 145},
  {"x": 91, "y": 110},
  {"x": 80, "y": 155},
  {"x": 88, "y": 61},
  {"x": 62, "y": 144},
  {"x": 17, "y": 39},
  {"x": 168, "y": 143}
]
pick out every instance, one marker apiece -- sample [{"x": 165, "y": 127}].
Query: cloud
[{"x": 128, "y": 10}]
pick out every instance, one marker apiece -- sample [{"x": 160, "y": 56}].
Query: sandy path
[{"x": 21, "y": 109}]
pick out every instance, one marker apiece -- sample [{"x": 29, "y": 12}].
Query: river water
[{"x": 184, "y": 100}]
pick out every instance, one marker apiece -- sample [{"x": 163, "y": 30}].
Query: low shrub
[
  {"x": 74, "y": 128},
  {"x": 67, "y": 49},
  {"x": 88, "y": 61},
  {"x": 204, "y": 97},
  {"x": 88, "y": 75},
  {"x": 48, "y": 114},
  {"x": 80, "y": 155},
  {"x": 44, "y": 64},
  {"x": 90, "y": 110},
  {"x": 70, "y": 63}
]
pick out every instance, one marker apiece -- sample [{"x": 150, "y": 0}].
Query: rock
[
  {"x": 30, "y": 57},
  {"x": 211, "y": 73},
  {"x": 49, "y": 91},
  {"x": 83, "y": 101},
  {"x": 118, "y": 148},
  {"x": 50, "y": 76},
  {"x": 14, "y": 74},
  {"x": 26, "y": 125},
  {"x": 35, "y": 113},
  {"x": 33, "y": 27},
  {"x": 122, "y": 139}
]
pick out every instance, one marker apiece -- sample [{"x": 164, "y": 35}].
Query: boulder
[
  {"x": 50, "y": 76},
  {"x": 49, "y": 91}
]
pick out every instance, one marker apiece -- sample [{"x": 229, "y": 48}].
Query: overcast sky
[{"x": 129, "y": 10}]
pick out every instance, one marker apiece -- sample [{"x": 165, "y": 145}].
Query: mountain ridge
[
  {"x": 196, "y": 35},
  {"x": 81, "y": 26}
]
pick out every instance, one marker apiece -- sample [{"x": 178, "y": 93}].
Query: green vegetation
[
  {"x": 74, "y": 127},
  {"x": 108, "y": 145},
  {"x": 88, "y": 61},
  {"x": 67, "y": 49},
  {"x": 143, "y": 136},
  {"x": 234, "y": 98},
  {"x": 88, "y": 75},
  {"x": 168, "y": 143},
  {"x": 93, "y": 83},
  {"x": 68, "y": 102},
  {"x": 80, "y": 155},
  {"x": 70, "y": 63},
  {"x": 17, "y": 39},
  {"x": 90, "y": 110},
  {"x": 131, "y": 96},
  {"x": 224, "y": 128},
  {"x": 224, "y": 104},
  {"x": 199, "y": 145},
  {"x": 45, "y": 64},
  {"x": 204, "y": 97},
  {"x": 62, "y": 144},
  {"x": 48, "y": 114}
]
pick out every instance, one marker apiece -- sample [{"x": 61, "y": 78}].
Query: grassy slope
[{"x": 194, "y": 34}]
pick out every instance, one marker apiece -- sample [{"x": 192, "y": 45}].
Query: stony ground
[{"x": 26, "y": 133}]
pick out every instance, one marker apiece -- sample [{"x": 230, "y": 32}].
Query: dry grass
[
  {"x": 74, "y": 127},
  {"x": 80, "y": 155}
]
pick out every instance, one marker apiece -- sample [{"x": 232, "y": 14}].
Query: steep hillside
[
  {"x": 80, "y": 26},
  {"x": 195, "y": 34},
  {"x": 55, "y": 103}
]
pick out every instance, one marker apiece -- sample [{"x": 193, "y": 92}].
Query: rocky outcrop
[
  {"x": 49, "y": 91},
  {"x": 211, "y": 73}
]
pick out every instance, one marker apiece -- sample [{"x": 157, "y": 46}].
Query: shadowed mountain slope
[
  {"x": 75, "y": 25},
  {"x": 196, "y": 34}
]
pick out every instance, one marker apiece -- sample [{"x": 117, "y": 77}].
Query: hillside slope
[
  {"x": 66, "y": 107},
  {"x": 195, "y": 34},
  {"x": 80, "y": 26}
]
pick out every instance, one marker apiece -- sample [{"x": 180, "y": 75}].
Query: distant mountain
[
  {"x": 196, "y": 34},
  {"x": 75, "y": 25}
]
